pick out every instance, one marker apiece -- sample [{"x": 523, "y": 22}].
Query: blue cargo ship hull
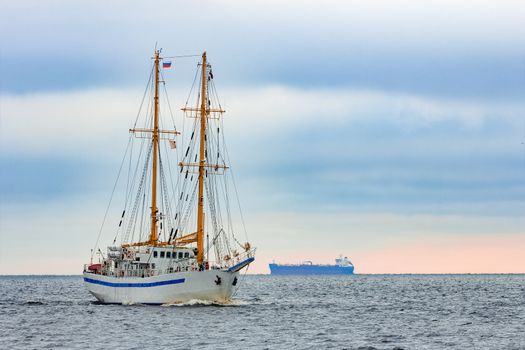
[{"x": 278, "y": 269}]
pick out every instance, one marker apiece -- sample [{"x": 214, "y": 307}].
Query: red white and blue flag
[{"x": 166, "y": 64}]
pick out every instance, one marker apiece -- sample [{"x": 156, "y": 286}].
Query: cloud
[
  {"x": 440, "y": 48},
  {"x": 332, "y": 147},
  {"x": 280, "y": 105},
  {"x": 339, "y": 148},
  {"x": 385, "y": 175},
  {"x": 423, "y": 25},
  {"x": 90, "y": 121},
  {"x": 71, "y": 123}
]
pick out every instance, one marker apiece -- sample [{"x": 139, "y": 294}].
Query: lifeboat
[{"x": 95, "y": 267}]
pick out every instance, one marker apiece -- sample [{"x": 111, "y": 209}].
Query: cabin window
[
  {"x": 181, "y": 254},
  {"x": 168, "y": 255},
  {"x": 154, "y": 253},
  {"x": 162, "y": 254},
  {"x": 137, "y": 258},
  {"x": 187, "y": 255}
]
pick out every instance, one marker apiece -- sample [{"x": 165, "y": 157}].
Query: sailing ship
[
  {"x": 183, "y": 247},
  {"x": 343, "y": 266}
]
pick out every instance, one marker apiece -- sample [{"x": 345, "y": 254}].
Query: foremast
[{"x": 155, "y": 132}]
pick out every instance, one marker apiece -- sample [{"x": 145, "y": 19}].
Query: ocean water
[{"x": 272, "y": 312}]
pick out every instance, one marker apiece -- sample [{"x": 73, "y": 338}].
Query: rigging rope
[
  {"x": 110, "y": 200},
  {"x": 139, "y": 192},
  {"x": 144, "y": 95}
]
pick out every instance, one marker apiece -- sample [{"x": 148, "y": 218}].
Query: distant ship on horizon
[{"x": 343, "y": 266}]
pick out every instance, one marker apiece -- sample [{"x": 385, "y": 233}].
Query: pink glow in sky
[{"x": 463, "y": 254}]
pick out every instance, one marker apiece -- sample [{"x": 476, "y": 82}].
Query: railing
[
  {"x": 233, "y": 260},
  {"x": 185, "y": 265}
]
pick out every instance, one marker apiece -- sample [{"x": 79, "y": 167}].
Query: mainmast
[
  {"x": 203, "y": 115},
  {"x": 153, "y": 238},
  {"x": 204, "y": 111}
]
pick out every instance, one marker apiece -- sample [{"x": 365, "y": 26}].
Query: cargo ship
[{"x": 342, "y": 266}]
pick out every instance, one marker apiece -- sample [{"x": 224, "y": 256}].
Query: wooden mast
[
  {"x": 156, "y": 133},
  {"x": 200, "y": 212},
  {"x": 153, "y": 238}
]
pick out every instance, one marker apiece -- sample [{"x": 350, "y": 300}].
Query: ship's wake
[{"x": 199, "y": 302}]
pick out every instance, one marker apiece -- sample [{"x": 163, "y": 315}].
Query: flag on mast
[{"x": 166, "y": 64}]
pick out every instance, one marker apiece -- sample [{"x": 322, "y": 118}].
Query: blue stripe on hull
[
  {"x": 134, "y": 285},
  {"x": 310, "y": 270}
]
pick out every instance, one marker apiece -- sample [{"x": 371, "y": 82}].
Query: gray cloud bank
[
  {"x": 443, "y": 48},
  {"x": 292, "y": 150}
]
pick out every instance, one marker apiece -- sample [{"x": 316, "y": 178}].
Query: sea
[{"x": 275, "y": 312}]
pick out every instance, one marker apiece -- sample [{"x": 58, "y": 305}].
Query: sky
[{"x": 392, "y": 132}]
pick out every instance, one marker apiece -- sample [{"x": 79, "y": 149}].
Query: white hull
[{"x": 170, "y": 288}]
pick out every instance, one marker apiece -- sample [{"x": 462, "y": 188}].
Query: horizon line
[{"x": 269, "y": 274}]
